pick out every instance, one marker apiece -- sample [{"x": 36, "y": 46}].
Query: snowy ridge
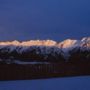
[
  {"x": 30, "y": 43},
  {"x": 45, "y": 47},
  {"x": 68, "y": 43},
  {"x": 64, "y": 44}
]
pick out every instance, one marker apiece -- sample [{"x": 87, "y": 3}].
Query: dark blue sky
[{"x": 44, "y": 19}]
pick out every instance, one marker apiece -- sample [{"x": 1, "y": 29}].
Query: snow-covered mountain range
[
  {"x": 64, "y": 44},
  {"x": 45, "y": 48},
  {"x": 44, "y": 58}
]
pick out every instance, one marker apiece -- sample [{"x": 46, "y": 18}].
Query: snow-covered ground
[
  {"x": 71, "y": 83},
  {"x": 22, "y": 62}
]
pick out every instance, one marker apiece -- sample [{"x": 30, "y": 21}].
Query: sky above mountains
[{"x": 44, "y": 19}]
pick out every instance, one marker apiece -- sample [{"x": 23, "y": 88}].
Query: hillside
[
  {"x": 46, "y": 50},
  {"x": 44, "y": 59}
]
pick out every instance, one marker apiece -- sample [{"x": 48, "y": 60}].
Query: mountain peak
[{"x": 68, "y": 43}]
